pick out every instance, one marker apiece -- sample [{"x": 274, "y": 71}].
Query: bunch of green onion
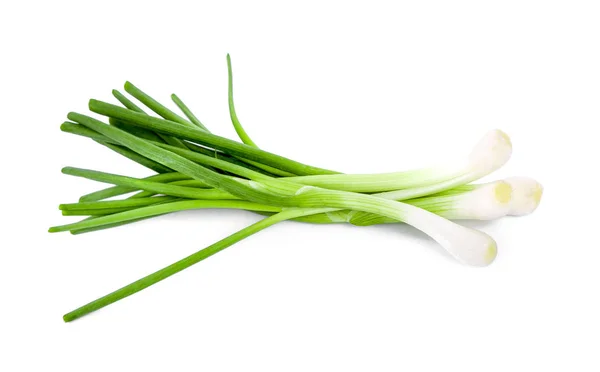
[{"x": 195, "y": 169}]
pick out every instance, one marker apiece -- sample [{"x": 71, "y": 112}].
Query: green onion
[
  {"x": 199, "y": 170},
  {"x": 469, "y": 246}
]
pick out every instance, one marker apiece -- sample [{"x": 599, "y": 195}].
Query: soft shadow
[{"x": 477, "y": 224}]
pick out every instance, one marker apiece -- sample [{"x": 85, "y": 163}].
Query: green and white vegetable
[
  {"x": 197, "y": 169},
  {"x": 490, "y": 153}
]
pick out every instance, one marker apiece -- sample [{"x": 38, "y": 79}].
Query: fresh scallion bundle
[{"x": 197, "y": 169}]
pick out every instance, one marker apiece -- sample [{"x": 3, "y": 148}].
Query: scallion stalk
[
  {"x": 468, "y": 246},
  {"x": 199, "y": 170},
  {"x": 180, "y": 265},
  {"x": 490, "y": 153}
]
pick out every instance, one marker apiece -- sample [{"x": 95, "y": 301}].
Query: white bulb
[
  {"x": 469, "y": 246},
  {"x": 527, "y": 194},
  {"x": 486, "y": 202},
  {"x": 490, "y": 153}
]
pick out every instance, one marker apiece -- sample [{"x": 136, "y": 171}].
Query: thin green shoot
[{"x": 187, "y": 112}]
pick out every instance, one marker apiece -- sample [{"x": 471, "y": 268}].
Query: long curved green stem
[
  {"x": 183, "y": 264},
  {"x": 241, "y": 132},
  {"x": 234, "y": 119}
]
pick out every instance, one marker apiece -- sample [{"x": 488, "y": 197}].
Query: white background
[{"x": 368, "y": 87}]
